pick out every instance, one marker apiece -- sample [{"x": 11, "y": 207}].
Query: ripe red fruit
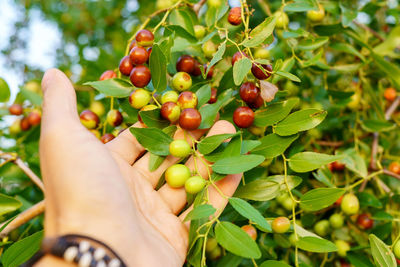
[
  {"x": 138, "y": 55},
  {"x": 390, "y": 94},
  {"x": 196, "y": 69},
  {"x": 339, "y": 201},
  {"x": 114, "y": 117},
  {"x": 235, "y": 16},
  {"x": 257, "y": 71},
  {"x": 144, "y": 38},
  {"x": 336, "y": 166},
  {"x": 238, "y": 55},
  {"x": 250, "y": 230},
  {"x": 364, "y": 221},
  {"x": 108, "y": 74},
  {"x": 149, "y": 52},
  {"x": 185, "y": 63},
  {"x": 190, "y": 119},
  {"x": 213, "y": 97},
  {"x": 394, "y": 167},
  {"x": 125, "y": 66},
  {"x": 344, "y": 263},
  {"x": 16, "y": 109},
  {"x": 132, "y": 44},
  {"x": 249, "y": 92},
  {"x": 259, "y": 102},
  {"x": 243, "y": 117},
  {"x": 89, "y": 119},
  {"x": 107, "y": 138},
  {"x": 187, "y": 99},
  {"x": 170, "y": 111},
  {"x": 25, "y": 125},
  {"x": 210, "y": 73},
  {"x": 34, "y": 117},
  {"x": 140, "y": 76}
]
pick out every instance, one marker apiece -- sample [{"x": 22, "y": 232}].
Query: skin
[{"x": 94, "y": 189}]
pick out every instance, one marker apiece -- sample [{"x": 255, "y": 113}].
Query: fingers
[
  {"x": 176, "y": 198},
  {"x": 59, "y": 101},
  {"x": 126, "y": 146}
]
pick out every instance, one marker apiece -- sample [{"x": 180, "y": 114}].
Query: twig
[
  {"x": 23, "y": 167},
  {"x": 198, "y": 6},
  {"x": 392, "y": 108},
  {"x": 374, "y": 151},
  {"x": 329, "y": 143},
  {"x": 394, "y": 175},
  {"x": 264, "y": 5},
  {"x": 365, "y": 27},
  {"x": 23, "y": 218}
]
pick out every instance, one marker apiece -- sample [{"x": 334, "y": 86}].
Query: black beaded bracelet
[{"x": 81, "y": 250}]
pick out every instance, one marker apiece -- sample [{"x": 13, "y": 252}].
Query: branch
[
  {"x": 329, "y": 143},
  {"x": 365, "y": 27},
  {"x": 392, "y": 108},
  {"x": 23, "y": 218},
  {"x": 198, "y": 6},
  {"x": 394, "y": 175},
  {"x": 374, "y": 151},
  {"x": 23, "y": 167}
]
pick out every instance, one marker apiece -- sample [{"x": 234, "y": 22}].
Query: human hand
[{"x": 107, "y": 192}]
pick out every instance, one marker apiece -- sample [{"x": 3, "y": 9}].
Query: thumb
[{"x": 59, "y": 100}]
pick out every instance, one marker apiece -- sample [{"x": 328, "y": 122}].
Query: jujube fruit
[
  {"x": 132, "y": 44},
  {"x": 96, "y": 133},
  {"x": 185, "y": 63},
  {"x": 98, "y": 108},
  {"x": 139, "y": 98},
  {"x": 259, "y": 102},
  {"x": 258, "y": 71},
  {"x": 89, "y": 119},
  {"x": 243, "y": 117},
  {"x": 342, "y": 247},
  {"x": 169, "y": 96},
  {"x": 209, "y": 49},
  {"x": 144, "y": 38},
  {"x": 176, "y": 175},
  {"x": 336, "y": 220},
  {"x": 336, "y": 166},
  {"x": 316, "y": 15},
  {"x": 140, "y": 76},
  {"x": 280, "y": 225},
  {"x": 138, "y": 55},
  {"x": 25, "y": 125},
  {"x": 396, "y": 249},
  {"x": 238, "y": 55},
  {"x": 261, "y": 53},
  {"x": 170, "y": 111},
  {"x": 390, "y": 94},
  {"x": 195, "y": 184},
  {"x": 282, "y": 19},
  {"x": 364, "y": 221},
  {"x": 181, "y": 81},
  {"x": 250, "y": 230},
  {"x": 196, "y": 69},
  {"x": 107, "y": 138},
  {"x": 350, "y": 204},
  {"x": 190, "y": 119},
  {"x": 108, "y": 74},
  {"x": 249, "y": 92},
  {"x": 210, "y": 73},
  {"x": 34, "y": 117},
  {"x": 125, "y": 66},
  {"x": 187, "y": 100},
  {"x": 394, "y": 167},
  {"x": 199, "y": 31},
  {"x": 15, "y": 127},
  {"x": 213, "y": 97},
  {"x": 114, "y": 117},
  {"x": 288, "y": 204},
  {"x": 16, "y": 109},
  {"x": 179, "y": 148},
  {"x": 322, "y": 228},
  {"x": 235, "y": 16}
]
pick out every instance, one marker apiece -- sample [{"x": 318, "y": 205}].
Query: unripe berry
[
  {"x": 186, "y": 64},
  {"x": 199, "y": 31},
  {"x": 396, "y": 249},
  {"x": 139, "y": 98},
  {"x": 89, "y": 119},
  {"x": 144, "y": 38},
  {"x": 343, "y": 247},
  {"x": 261, "y": 53},
  {"x": 107, "y": 138},
  {"x": 214, "y": 3},
  {"x": 250, "y": 230},
  {"x": 170, "y": 111},
  {"x": 179, "y": 148},
  {"x": 98, "y": 108},
  {"x": 181, "y": 81},
  {"x": 140, "y": 76},
  {"x": 261, "y": 72},
  {"x": 211, "y": 244},
  {"x": 15, "y": 127},
  {"x": 108, "y": 74},
  {"x": 243, "y": 117},
  {"x": 322, "y": 228},
  {"x": 114, "y": 117},
  {"x": 316, "y": 15},
  {"x": 138, "y": 55},
  {"x": 336, "y": 220},
  {"x": 187, "y": 100},
  {"x": 280, "y": 225},
  {"x": 209, "y": 49},
  {"x": 195, "y": 184},
  {"x": 190, "y": 119},
  {"x": 390, "y": 94},
  {"x": 169, "y": 96},
  {"x": 125, "y": 66},
  {"x": 176, "y": 175},
  {"x": 16, "y": 109},
  {"x": 282, "y": 19},
  {"x": 350, "y": 204},
  {"x": 235, "y": 16},
  {"x": 34, "y": 117},
  {"x": 96, "y": 133},
  {"x": 288, "y": 204}
]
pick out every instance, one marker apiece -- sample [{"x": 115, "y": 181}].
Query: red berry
[
  {"x": 390, "y": 94},
  {"x": 196, "y": 69},
  {"x": 243, "y": 117},
  {"x": 257, "y": 71},
  {"x": 259, "y": 102},
  {"x": 89, "y": 119},
  {"x": 213, "y": 97},
  {"x": 210, "y": 74},
  {"x": 125, "y": 66},
  {"x": 238, "y": 55},
  {"x": 190, "y": 119},
  {"x": 364, "y": 221},
  {"x": 140, "y": 76},
  {"x": 235, "y": 16},
  {"x": 114, "y": 117},
  {"x": 132, "y": 45},
  {"x": 339, "y": 201},
  {"x": 170, "y": 111},
  {"x": 250, "y": 230},
  {"x": 185, "y": 63},
  {"x": 149, "y": 52},
  {"x": 187, "y": 99},
  {"x": 34, "y": 117},
  {"x": 16, "y": 109},
  {"x": 138, "y": 55},
  {"x": 107, "y": 138},
  {"x": 249, "y": 92},
  {"x": 25, "y": 125},
  {"x": 394, "y": 167},
  {"x": 108, "y": 74},
  {"x": 144, "y": 38},
  {"x": 336, "y": 166}
]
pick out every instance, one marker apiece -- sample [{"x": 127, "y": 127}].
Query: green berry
[
  {"x": 199, "y": 31},
  {"x": 350, "y": 204},
  {"x": 195, "y": 184},
  {"x": 209, "y": 49},
  {"x": 396, "y": 249},
  {"x": 179, "y": 148},
  {"x": 336, "y": 220},
  {"x": 181, "y": 81},
  {"x": 139, "y": 98},
  {"x": 280, "y": 225},
  {"x": 322, "y": 228},
  {"x": 176, "y": 175},
  {"x": 343, "y": 247},
  {"x": 169, "y": 96}
]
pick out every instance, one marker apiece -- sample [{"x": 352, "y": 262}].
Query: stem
[
  {"x": 197, "y": 6},
  {"x": 392, "y": 108}
]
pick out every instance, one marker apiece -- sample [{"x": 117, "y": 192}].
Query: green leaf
[
  {"x": 249, "y": 145},
  {"x": 349, "y": 13},
  {"x": 391, "y": 69},
  {"x": 273, "y": 145},
  {"x": 179, "y": 31},
  {"x": 237, "y": 164},
  {"x": 347, "y": 48},
  {"x": 377, "y": 125},
  {"x": 324, "y": 176},
  {"x": 261, "y": 32},
  {"x": 249, "y": 212},
  {"x": 355, "y": 162},
  {"x": 199, "y": 212},
  {"x": 8, "y": 204},
  {"x": 390, "y": 43},
  {"x": 217, "y": 57},
  {"x": 203, "y": 95},
  {"x": 381, "y": 253},
  {"x": 237, "y": 241},
  {"x": 153, "y": 139},
  {"x": 288, "y": 75},
  {"x": 182, "y": 18},
  {"x": 158, "y": 68},
  {"x": 112, "y": 87},
  {"x": 22, "y": 250},
  {"x": 298, "y": 121},
  {"x": 209, "y": 144},
  {"x": 369, "y": 200},
  {"x": 301, "y": 6},
  {"x": 214, "y": 14},
  {"x": 33, "y": 97},
  {"x": 312, "y": 44},
  {"x": 358, "y": 260},
  {"x": 155, "y": 161},
  {"x": 152, "y": 118},
  {"x": 273, "y": 263},
  {"x": 209, "y": 112},
  {"x": 286, "y": 66},
  {"x": 4, "y": 91},
  {"x": 309, "y": 161},
  {"x": 274, "y": 112},
  {"x": 267, "y": 188},
  {"x": 233, "y": 148},
  {"x": 320, "y": 198},
  {"x": 240, "y": 70},
  {"x": 316, "y": 244}
]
